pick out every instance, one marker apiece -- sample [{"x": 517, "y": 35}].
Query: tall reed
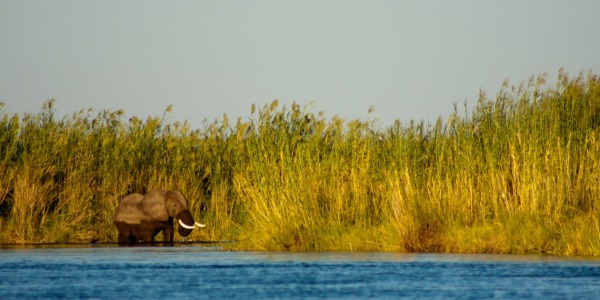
[{"x": 517, "y": 174}]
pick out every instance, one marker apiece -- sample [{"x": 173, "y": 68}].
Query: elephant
[{"x": 140, "y": 217}]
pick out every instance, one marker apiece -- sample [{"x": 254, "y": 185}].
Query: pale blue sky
[{"x": 410, "y": 59}]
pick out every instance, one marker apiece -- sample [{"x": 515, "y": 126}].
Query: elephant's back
[{"x": 128, "y": 209}]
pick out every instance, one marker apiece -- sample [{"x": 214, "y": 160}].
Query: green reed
[{"x": 517, "y": 174}]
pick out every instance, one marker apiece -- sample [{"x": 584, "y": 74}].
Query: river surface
[{"x": 205, "y": 272}]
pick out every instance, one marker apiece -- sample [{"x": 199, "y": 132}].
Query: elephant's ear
[{"x": 175, "y": 202}]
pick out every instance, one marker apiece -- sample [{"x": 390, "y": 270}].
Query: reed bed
[{"x": 519, "y": 173}]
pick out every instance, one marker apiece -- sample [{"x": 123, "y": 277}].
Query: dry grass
[{"x": 518, "y": 174}]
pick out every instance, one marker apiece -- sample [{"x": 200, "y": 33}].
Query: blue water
[{"x": 198, "y": 272}]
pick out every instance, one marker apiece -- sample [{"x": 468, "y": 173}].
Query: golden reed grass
[{"x": 519, "y": 173}]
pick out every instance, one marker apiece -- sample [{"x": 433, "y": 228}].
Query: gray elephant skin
[{"x": 139, "y": 218}]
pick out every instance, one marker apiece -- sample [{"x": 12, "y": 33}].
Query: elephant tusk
[
  {"x": 185, "y": 226},
  {"x": 200, "y": 225}
]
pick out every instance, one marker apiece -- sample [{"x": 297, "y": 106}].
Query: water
[{"x": 200, "y": 272}]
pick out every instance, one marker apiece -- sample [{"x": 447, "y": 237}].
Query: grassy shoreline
[{"x": 518, "y": 174}]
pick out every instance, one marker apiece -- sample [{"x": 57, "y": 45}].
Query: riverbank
[{"x": 518, "y": 174}]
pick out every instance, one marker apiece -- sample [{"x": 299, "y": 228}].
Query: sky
[{"x": 409, "y": 60}]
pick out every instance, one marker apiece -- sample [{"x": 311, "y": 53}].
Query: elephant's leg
[
  {"x": 168, "y": 233},
  {"x": 134, "y": 233},
  {"x": 146, "y": 232},
  {"x": 123, "y": 238},
  {"x": 126, "y": 235}
]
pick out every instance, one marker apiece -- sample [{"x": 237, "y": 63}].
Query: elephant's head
[{"x": 177, "y": 207}]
